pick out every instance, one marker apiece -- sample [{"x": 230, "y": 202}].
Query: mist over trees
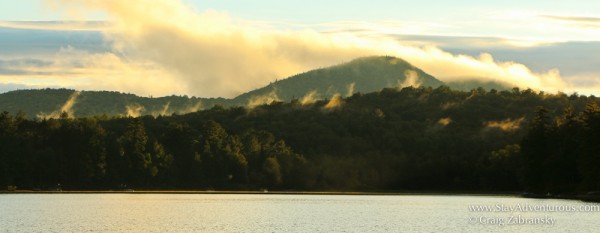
[
  {"x": 367, "y": 74},
  {"x": 391, "y": 140}
]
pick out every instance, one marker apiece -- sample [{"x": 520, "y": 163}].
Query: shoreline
[
  {"x": 584, "y": 198},
  {"x": 350, "y": 193}
]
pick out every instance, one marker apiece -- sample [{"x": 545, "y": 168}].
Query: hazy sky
[
  {"x": 508, "y": 18},
  {"x": 331, "y": 10},
  {"x": 227, "y": 47}
]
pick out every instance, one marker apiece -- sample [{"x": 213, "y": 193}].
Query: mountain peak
[
  {"x": 365, "y": 74},
  {"x": 391, "y": 60}
]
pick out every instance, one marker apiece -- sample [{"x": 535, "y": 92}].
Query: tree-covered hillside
[
  {"x": 394, "y": 139},
  {"x": 363, "y": 75},
  {"x": 50, "y": 103}
]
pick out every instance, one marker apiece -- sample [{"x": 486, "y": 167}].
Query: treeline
[
  {"x": 91, "y": 153},
  {"x": 562, "y": 154},
  {"x": 408, "y": 139}
]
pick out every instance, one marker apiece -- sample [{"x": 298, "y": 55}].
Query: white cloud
[{"x": 57, "y": 25}]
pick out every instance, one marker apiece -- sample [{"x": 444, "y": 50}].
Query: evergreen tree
[
  {"x": 589, "y": 163},
  {"x": 534, "y": 149},
  {"x": 133, "y": 145}
]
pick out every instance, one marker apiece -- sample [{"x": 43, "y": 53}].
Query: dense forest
[{"x": 430, "y": 139}]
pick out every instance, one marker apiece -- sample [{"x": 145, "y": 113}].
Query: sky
[{"x": 222, "y": 48}]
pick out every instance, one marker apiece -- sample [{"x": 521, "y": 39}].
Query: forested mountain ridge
[
  {"x": 50, "y": 103},
  {"x": 364, "y": 75},
  {"x": 393, "y": 139},
  {"x": 360, "y": 75}
]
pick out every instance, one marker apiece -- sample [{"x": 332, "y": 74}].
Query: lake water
[{"x": 283, "y": 213}]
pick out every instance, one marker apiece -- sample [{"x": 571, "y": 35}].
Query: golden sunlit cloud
[
  {"x": 505, "y": 125},
  {"x": 164, "y": 47},
  {"x": 264, "y": 99},
  {"x": 335, "y": 102},
  {"x": 579, "y": 21},
  {"x": 309, "y": 98},
  {"x": 134, "y": 110},
  {"x": 445, "y": 121}
]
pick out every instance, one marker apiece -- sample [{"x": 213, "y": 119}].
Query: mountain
[
  {"x": 50, "y": 103},
  {"x": 364, "y": 75}
]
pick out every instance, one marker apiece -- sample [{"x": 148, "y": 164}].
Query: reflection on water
[{"x": 274, "y": 213}]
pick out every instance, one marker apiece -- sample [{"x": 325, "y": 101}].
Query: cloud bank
[
  {"x": 73, "y": 68},
  {"x": 162, "y": 47}
]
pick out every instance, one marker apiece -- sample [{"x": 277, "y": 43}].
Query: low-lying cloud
[
  {"x": 162, "y": 47},
  {"x": 66, "y": 108},
  {"x": 445, "y": 121},
  {"x": 411, "y": 80},
  {"x": 309, "y": 98},
  {"x": 134, "y": 110},
  {"x": 506, "y": 125},
  {"x": 263, "y": 99},
  {"x": 336, "y": 102}
]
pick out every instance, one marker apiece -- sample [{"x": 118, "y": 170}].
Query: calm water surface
[{"x": 277, "y": 213}]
